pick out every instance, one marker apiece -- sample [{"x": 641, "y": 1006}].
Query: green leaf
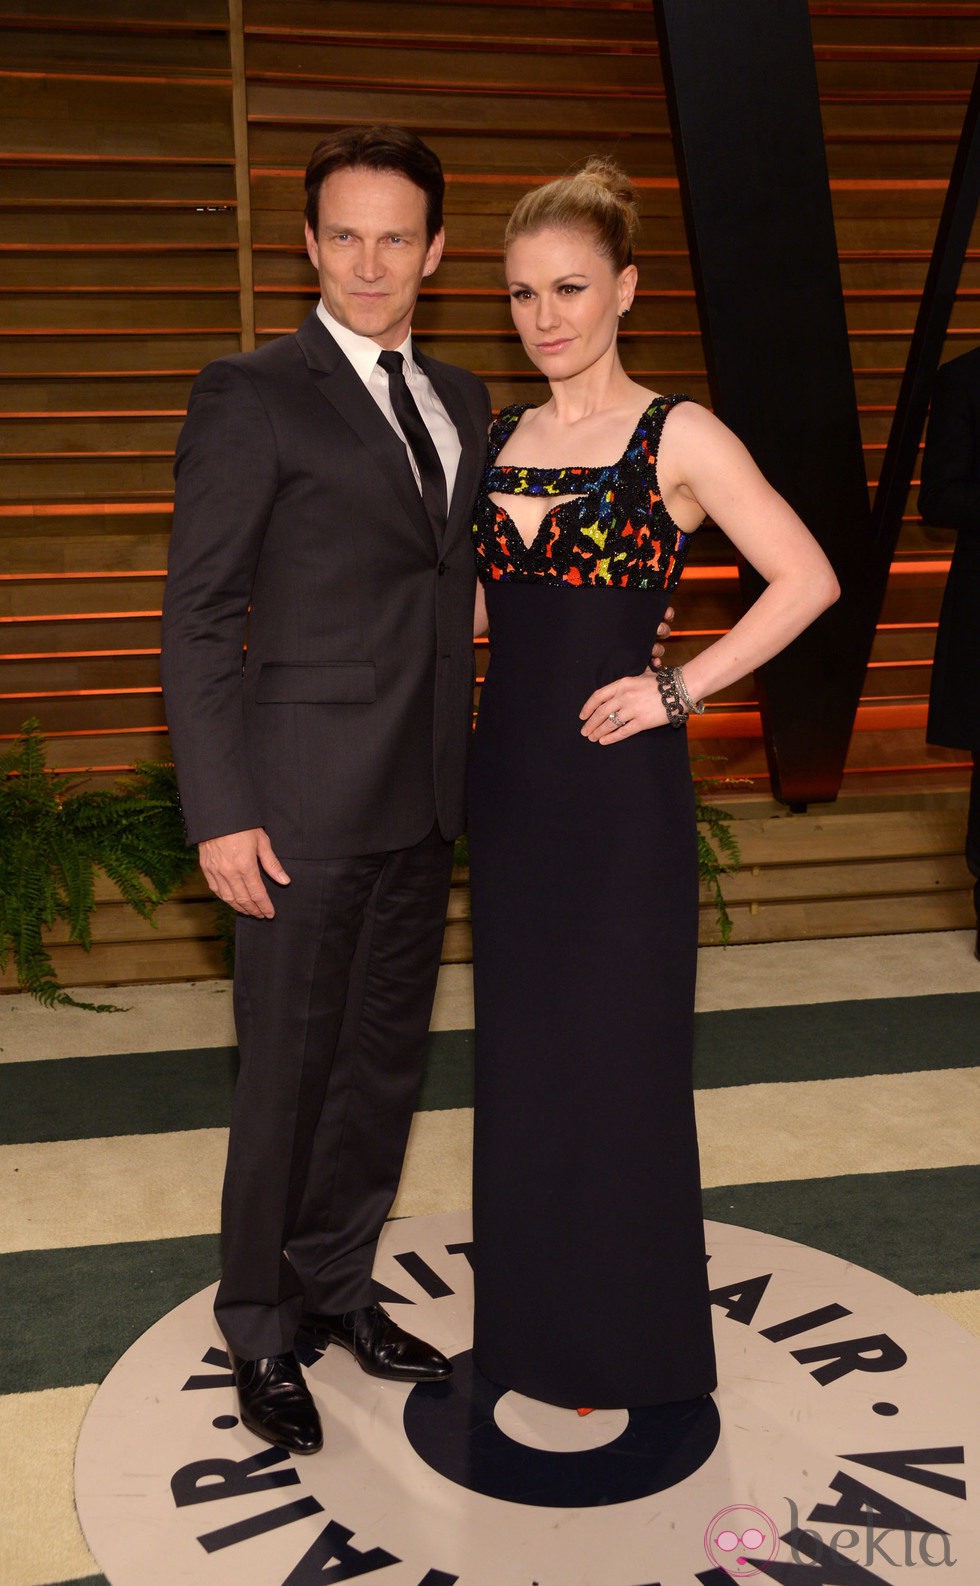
[
  {"x": 55, "y": 838},
  {"x": 718, "y": 851}
]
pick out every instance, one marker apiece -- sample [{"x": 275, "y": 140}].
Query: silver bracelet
[
  {"x": 666, "y": 678},
  {"x": 686, "y": 700}
]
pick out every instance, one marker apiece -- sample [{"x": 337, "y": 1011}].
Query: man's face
[{"x": 370, "y": 251}]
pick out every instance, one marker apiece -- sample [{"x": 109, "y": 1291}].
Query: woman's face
[{"x": 566, "y": 299}]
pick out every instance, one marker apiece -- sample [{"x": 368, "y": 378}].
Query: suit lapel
[
  {"x": 339, "y": 383},
  {"x": 471, "y": 457}
]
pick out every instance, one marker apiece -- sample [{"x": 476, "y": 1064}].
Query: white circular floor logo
[{"x": 836, "y": 1450}]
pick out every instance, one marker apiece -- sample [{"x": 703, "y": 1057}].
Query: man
[
  {"x": 324, "y": 487},
  {"x": 950, "y": 495}
]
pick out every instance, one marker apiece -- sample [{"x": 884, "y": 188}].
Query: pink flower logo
[{"x": 736, "y": 1535}]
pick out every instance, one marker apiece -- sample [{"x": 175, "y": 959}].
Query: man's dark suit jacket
[
  {"x": 950, "y": 495},
  {"x": 344, "y": 730}
]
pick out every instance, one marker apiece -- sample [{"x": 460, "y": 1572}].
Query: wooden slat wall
[
  {"x": 119, "y": 240},
  {"x": 118, "y": 280},
  {"x": 120, "y": 235},
  {"x": 829, "y": 872},
  {"x": 516, "y": 93}
]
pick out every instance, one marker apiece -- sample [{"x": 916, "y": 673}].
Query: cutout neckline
[
  {"x": 572, "y": 468},
  {"x": 565, "y": 501},
  {"x": 540, "y": 473}
]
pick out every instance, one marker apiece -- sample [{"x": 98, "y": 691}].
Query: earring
[{"x": 623, "y": 313}]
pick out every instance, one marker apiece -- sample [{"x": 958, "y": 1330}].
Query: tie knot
[{"x": 391, "y": 362}]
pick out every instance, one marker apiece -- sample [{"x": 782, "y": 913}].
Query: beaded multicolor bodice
[{"x": 615, "y": 531}]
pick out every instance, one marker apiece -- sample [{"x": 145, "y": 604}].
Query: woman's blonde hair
[{"x": 599, "y": 199}]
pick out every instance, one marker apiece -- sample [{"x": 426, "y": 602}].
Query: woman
[{"x": 590, "y": 1266}]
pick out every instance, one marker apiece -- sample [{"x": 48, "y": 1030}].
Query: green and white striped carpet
[{"x": 837, "y": 1102}]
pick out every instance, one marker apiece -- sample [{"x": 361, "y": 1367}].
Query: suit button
[{"x": 441, "y": 568}]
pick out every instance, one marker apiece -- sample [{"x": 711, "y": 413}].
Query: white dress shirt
[{"x": 363, "y": 353}]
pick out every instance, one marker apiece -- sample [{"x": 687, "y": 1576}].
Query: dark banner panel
[{"x": 753, "y": 172}]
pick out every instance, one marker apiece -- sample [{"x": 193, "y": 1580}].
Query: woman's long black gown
[{"x": 589, "y": 1252}]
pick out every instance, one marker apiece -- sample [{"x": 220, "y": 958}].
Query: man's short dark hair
[{"x": 379, "y": 148}]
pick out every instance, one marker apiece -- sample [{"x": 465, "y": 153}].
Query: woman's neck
[{"x": 595, "y": 390}]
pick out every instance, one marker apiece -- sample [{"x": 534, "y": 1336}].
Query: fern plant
[
  {"x": 718, "y": 851},
  {"x": 53, "y": 839}
]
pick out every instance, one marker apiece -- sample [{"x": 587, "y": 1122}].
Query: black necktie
[{"x": 427, "y": 461}]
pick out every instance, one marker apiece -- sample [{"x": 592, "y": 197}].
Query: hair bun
[
  {"x": 610, "y": 178},
  {"x": 598, "y": 198}
]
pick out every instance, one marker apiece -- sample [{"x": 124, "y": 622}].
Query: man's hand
[
  {"x": 231, "y": 866},
  {"x": 663, "y": 632}
]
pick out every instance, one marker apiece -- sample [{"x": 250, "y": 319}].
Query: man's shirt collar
[{"x": 361, "y": 351}]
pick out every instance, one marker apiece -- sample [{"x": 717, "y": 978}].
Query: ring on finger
[{"x": 616, "y": 719}]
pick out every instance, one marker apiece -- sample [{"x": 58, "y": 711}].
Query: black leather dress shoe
[
  {"x": 379, "y": 1345},
  {"x": 275, "y": 1402}
]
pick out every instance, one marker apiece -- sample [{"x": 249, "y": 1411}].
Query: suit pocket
[{"x": 336, "y": 683}]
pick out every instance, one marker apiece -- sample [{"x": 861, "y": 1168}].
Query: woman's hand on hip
[{"x": 620, "y": 709}]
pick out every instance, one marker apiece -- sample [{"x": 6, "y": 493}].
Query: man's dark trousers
[{"x": 364, "y": 1039}]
